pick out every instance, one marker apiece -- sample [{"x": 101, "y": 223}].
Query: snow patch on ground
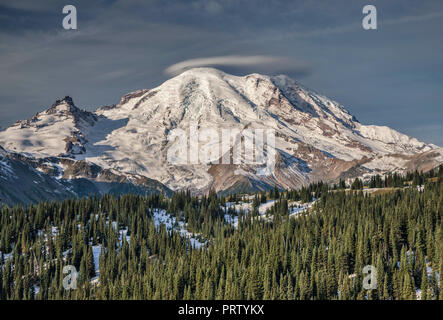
[
  {"x": 161, "y": 217},
  {"x": 96, "y": 252},
  {"x": 265, "y": 206},
  {"x": 295, "y": 209},
  {"x": 6, "y": 256}
]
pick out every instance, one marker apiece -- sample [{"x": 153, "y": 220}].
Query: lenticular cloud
[{"x": 259, "y": 63}]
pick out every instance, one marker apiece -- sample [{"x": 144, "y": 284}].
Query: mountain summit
[{"x": 316, "y": 138}]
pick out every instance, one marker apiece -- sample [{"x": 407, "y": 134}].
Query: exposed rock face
[{"x": 316, "y": 138}]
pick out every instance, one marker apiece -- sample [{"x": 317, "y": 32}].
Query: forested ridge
[{"x": 317, "y": 254}]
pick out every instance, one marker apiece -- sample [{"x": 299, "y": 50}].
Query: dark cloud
[{"x": 391, "y": 76}]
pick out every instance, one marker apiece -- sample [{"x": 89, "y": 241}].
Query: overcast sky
[{"x": 391, "y": 76}]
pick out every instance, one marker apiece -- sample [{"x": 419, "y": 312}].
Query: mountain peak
[
  {"x": 66, "y": 99},
  {"x": 316, "y": 138},
  {"x": 64, "y": 104},
  {"x": 202, "y": 73}
]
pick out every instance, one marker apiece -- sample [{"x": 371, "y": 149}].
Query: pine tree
[{"x": 424, "y": 285}]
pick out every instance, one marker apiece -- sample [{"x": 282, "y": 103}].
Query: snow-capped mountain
[{"x": 316, "y": 138}]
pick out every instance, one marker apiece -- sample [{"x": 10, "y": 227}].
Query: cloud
[
  {"x": 244, "y": 64},
  {"x": 352, "y": 27},
  {"x": 415, "y": 18},
  {"x": 210, "y": 6}
]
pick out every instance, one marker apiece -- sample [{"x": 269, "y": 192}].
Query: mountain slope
[
  {"x": 316, "y": 138},
  {"x": 28, "y": 180}
]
